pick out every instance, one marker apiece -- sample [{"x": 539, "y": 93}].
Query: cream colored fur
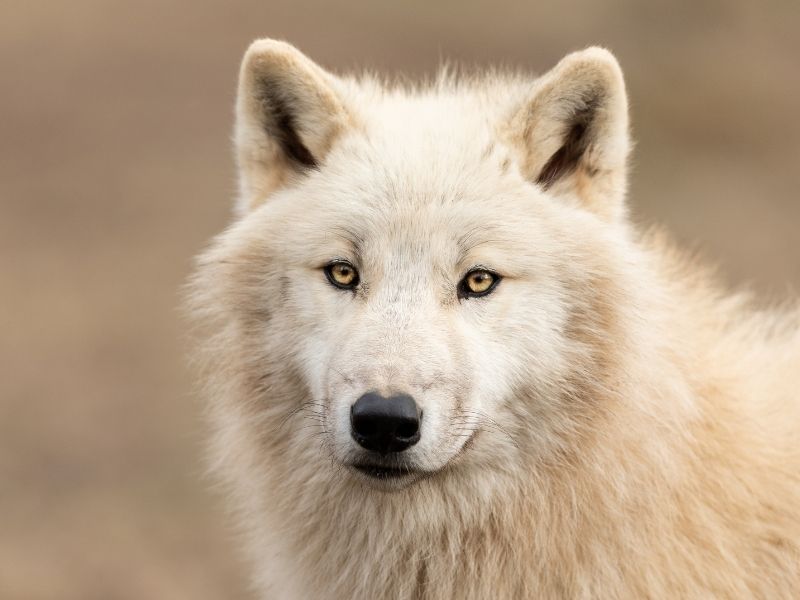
[{"x": 606, "y": 424}]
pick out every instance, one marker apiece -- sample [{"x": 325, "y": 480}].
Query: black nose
[{"x": 385, "y": 424}]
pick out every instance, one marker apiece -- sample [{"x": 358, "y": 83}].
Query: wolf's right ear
[
  {"x": 571, "y": 132},
  {"x": 288, "y": 115}
]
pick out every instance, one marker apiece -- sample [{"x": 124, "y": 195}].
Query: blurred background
[{"x": 115, "y": 168}]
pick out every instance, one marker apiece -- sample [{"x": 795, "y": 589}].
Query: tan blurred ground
[{"x": 115, "y": 167}]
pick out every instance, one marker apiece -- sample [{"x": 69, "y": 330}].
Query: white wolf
[{"x": 443, "y": 364}]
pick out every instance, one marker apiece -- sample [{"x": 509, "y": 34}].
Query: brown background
[{"x": 115, "y": 168}]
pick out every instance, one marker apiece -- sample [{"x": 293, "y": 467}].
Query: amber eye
[
  {"x": 477, "y": 282},
  {"x": 342, "y": 274}
]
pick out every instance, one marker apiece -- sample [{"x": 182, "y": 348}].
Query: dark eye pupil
[{"x": 481, "y": 279}]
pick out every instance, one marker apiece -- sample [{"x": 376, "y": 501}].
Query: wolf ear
[
  {"x": 287, "y": 117},
  {"x": 572, "y": 133}
]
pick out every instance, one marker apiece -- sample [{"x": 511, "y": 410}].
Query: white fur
[{"x": 633, "y": 432}]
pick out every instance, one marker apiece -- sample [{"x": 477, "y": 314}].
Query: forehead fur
[
  {"x": 423, "y": 161},
  {"x": 422, "y": 137},
  {"x": 466, "y": 109}
]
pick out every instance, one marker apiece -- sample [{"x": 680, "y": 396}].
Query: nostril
[
  {"x": 366, "y": 428},
  {"x": 407, "y": 429},
  {"x": 363, "y": 424}
]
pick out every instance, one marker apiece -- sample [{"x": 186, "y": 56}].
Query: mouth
[{"x": 383, "y": 473}]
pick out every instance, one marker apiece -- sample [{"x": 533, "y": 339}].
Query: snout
[{"x": 385, "y": 425}]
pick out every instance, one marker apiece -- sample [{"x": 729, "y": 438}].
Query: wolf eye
[
  {"x": 342, "y": 274},
  {"x": 477, "y": 282}
]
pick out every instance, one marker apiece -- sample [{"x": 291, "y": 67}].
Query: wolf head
[{"x": 418, "y": 281}]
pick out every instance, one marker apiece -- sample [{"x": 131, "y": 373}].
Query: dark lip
[{"x": 383, "y": 472}]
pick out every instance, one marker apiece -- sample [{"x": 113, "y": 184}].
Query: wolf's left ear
[
  {"x": 288, "y": 115},
  {"x": 572, "y": 131}
]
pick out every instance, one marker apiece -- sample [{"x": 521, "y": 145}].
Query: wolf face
[{"x": 409, "y": 280}]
